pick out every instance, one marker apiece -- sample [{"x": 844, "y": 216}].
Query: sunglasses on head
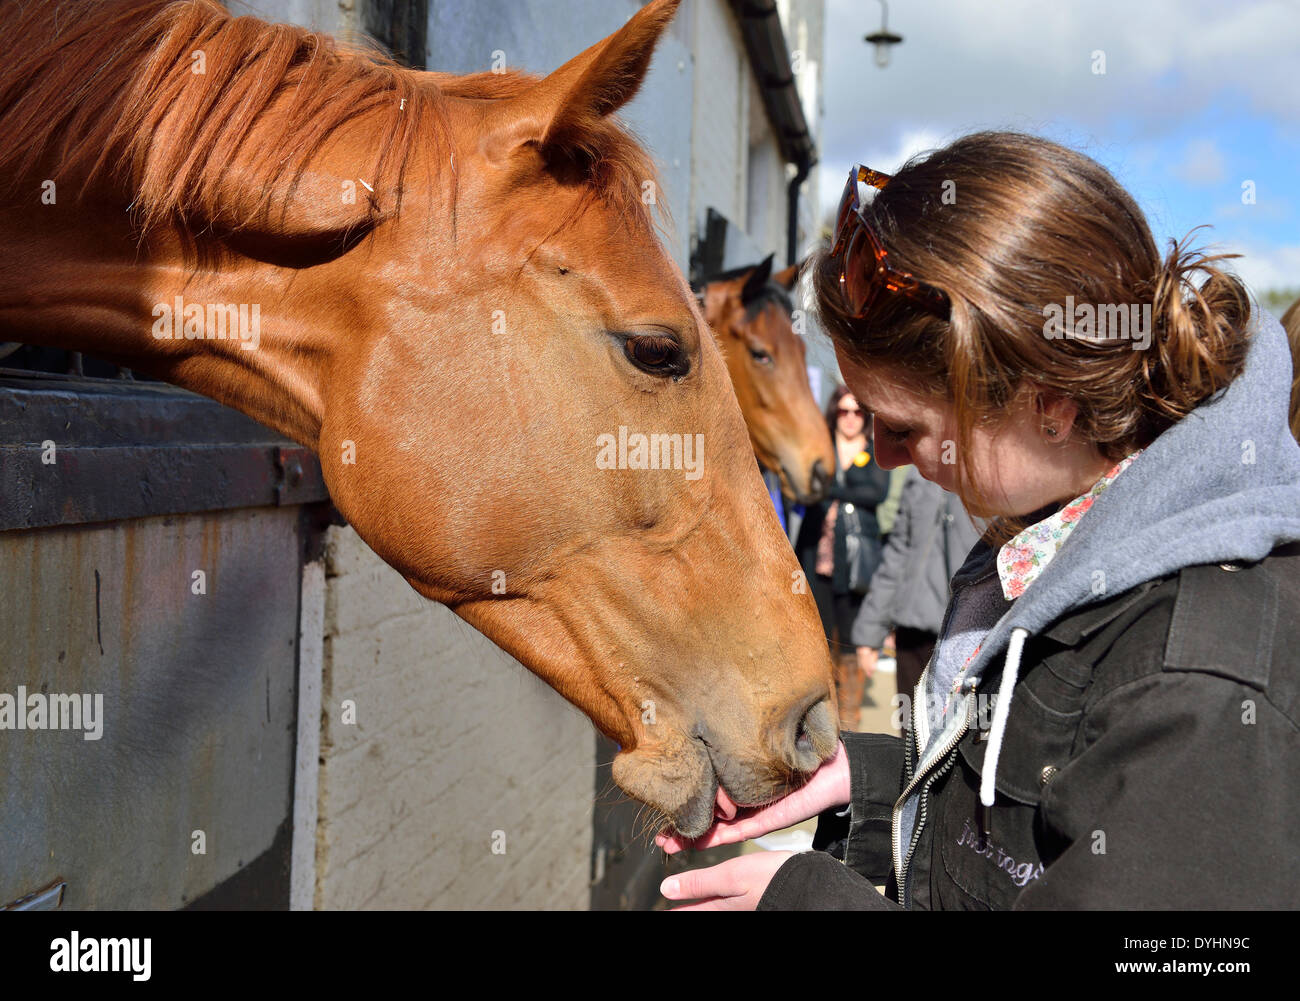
[{"x": 863, "y": 263}]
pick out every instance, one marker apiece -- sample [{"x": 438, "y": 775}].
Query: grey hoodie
[{"x": 1220, "y": 486}]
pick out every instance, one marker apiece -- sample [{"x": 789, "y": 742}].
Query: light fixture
[{"x": 883, "y": 38}]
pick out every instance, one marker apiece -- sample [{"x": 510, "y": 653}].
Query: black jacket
[
  {"x": 1151, "y": 760},
  {"x": 864, "y": 487}
]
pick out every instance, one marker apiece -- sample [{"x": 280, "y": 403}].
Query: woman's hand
[
  {"x": 828, "y": 787},
  {"x": 867, "y": 657},
  {"x": 737, "y": 884}
]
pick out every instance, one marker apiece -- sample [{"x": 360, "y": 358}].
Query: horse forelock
[
  {"x": 770, "y": 292},
  {"x": 101, "y": 77}
]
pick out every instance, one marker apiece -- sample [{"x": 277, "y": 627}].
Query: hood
[{"x": 1222, "y": 485}]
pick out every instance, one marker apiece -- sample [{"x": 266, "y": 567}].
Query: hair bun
[{"x": 1197, "y": 347}]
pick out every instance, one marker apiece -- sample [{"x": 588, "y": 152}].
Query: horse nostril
[
  {"x": 790, "y": 481},
  {"x": 814, "y": 731},
  {"x": 802, "y": 739}
]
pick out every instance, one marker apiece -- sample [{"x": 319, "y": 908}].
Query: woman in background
[
  {"x": 910, "y": 589},
  {"x": 823, "y": 544}
]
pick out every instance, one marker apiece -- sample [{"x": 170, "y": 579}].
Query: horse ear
[
  {"x": 756, "y": 280},
  {"x": 560, "y": 111},
  {"x": 789, "y": 277}
]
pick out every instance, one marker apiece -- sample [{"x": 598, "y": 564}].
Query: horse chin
[
  {"x": 679, "y": 782},
  {"x": 698, "y": 815},
  {"x": 798, "y": 493}
]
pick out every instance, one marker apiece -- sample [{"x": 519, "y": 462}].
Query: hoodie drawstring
[{"x": 1001, "y": 707}]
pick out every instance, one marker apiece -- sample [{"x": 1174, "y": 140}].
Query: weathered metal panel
[
  {"x": 198, "y": 707},
  {"x": 73, "y": 452}
]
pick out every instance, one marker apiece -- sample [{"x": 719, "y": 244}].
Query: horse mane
[{"x": 107, "y": 90}]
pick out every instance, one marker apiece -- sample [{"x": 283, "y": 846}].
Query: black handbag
[{"x": 860, "y": 547}]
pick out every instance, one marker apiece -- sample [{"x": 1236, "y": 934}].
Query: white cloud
[
  {"x": 1203, "y": 163},
  {"x": 1264, "y": 268},
  {"x": 1026, "y": 64},
  {"x": 1178, "y": 75}
]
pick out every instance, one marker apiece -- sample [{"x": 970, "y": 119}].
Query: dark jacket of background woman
[
  {"x": 932, "y": 536},
  {"x": 864, "y": 487}
]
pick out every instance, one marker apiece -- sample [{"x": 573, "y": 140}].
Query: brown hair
[
  {"x": 1291, "y": 321},
  {"x": 1009, "y": 224}
]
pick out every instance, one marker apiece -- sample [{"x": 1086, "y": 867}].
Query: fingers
[
  {"x": 748, "y": 824},
  {"x": 716, "y": 904},
  {"x": 828, "y": 787},
  {"x": 704, "y": 884},
  {"x": 736, "y": 884},
  {"x": 723, "y": 832}
]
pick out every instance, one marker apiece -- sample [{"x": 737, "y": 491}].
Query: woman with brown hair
[
  {"x": 1110, "y": 712},
  {"x": 839, "y": 544}
]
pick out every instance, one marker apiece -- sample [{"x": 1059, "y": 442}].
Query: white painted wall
[{"x": 464, "y": 782}]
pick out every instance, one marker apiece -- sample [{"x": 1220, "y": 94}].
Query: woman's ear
[{"x": 1057, "y": 414}]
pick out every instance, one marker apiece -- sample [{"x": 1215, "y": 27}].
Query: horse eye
[
  {"x": 760, "y": 356},
  {"x": 656, "y": 354}
]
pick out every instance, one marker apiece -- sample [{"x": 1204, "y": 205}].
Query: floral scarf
[{"x": 1026, "y": 556}]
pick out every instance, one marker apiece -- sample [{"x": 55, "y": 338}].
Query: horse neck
[
  {"x": 74, "y": 273},
  {"x": 78, "y": 279}
]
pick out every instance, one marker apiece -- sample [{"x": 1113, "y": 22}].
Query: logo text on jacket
[{"x": 1020, "y": 874}]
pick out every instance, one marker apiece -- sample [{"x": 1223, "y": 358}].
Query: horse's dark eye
[
  {"x": 760, "y": 356},
  {"x": 657, "y": 355}
]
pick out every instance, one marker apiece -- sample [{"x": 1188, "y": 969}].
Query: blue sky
[{"x": 1196, "y": 99}]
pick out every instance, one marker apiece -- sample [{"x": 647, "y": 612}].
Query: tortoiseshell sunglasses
[{"x": 861, "y": 280}]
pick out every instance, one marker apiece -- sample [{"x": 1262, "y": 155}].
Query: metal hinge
[{"x": 298, "y": 479}]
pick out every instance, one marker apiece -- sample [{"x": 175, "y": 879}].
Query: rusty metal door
[{"x": 151, "y": 553}]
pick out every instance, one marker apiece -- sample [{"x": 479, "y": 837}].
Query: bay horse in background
[
  {"x": 462, "y": 301},
  {"x": 750, "y": 312}
]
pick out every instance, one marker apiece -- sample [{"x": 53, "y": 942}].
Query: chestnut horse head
[
  {"x": 460, "y": 302},
  {"x": 751, "y": 314}
]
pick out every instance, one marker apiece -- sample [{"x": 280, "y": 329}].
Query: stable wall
[{"x": 454, "y": 741}]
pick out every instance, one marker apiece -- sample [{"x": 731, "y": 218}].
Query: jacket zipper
[
  {"x": 901, "y": 864},
  {"x": 920, "y": 820}
]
